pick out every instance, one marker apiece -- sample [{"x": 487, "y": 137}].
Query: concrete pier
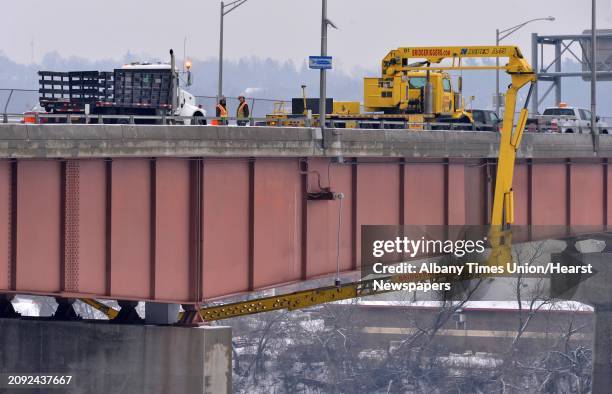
[
  {"x": 111, "y": 358},
  {"x": 602, "y": 349}
]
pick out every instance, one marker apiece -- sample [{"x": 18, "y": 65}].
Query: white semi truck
[{"x": 136, "y": 89}]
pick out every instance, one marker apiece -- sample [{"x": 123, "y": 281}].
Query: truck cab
[{"x": 406, "y": 93}]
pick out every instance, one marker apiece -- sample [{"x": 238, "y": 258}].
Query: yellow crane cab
[{"x": 406, "y": 93}]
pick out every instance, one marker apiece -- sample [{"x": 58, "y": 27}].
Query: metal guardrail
[
  {"x": 382, "y": 124},
  {"x": 370, "y": 124},
  {"x": 26, "y": 99},
  {"x": 262, "y": 105},
  {"x": 604, "y": 126},
  {"x": 46, "y": 118},
  {"x": 11, "y": 93},
  {"x": 258, "y": 107}
]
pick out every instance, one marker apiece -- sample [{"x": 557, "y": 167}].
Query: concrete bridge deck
[{"x": 95, "y": 141}]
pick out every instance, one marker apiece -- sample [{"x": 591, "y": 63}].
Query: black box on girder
[{"x": 297, "y": 105}]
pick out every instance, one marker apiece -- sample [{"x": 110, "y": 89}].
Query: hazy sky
[{"x": 279, "y": 29}]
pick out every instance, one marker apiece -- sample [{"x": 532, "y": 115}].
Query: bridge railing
[
  {"x": 15, "y": 100},
  {"x": 258, "y": 107},
  {"x": 293, "y": 121}
]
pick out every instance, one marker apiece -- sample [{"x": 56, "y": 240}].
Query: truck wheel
[
  {"x": 604, "y": 131},
  {"x": 569, "y": 131},
  {"x": 199, "y": 119}
]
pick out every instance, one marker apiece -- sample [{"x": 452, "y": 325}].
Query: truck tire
[
  {"x": 604, "y": 131},
  {"x": 197, "y": 120},
  {"x": 571, "y": 131}
]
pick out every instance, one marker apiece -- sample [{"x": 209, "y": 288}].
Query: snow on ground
[
  {"x": 313, "y": 325},
  {"x": 26, "y": 306},
  {"x": 495, "y": 305}
]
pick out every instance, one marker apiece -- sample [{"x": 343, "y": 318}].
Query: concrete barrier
[{"x": 90, "y": 141}]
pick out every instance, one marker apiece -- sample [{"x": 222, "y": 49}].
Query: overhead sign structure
[
  {"x": 320, "y": 62},
  {"x": 604, "y": 54}
]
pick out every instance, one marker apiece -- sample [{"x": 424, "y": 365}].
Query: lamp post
[
  {"x": 231, "y": 7},
  {"x": 594, "y": 129},
  {"x": 322, "y": 79},
  {"x": 500, "y": 35}
]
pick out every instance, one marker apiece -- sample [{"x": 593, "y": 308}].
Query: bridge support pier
[
  {"x": 602, "y": 349},
  {"x": 113, "y": 358},
  {"x": 594, "y": 290}
]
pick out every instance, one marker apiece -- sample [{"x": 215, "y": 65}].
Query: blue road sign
[{"x": 320, "y": 62}]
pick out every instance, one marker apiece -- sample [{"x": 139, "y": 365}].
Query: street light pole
[
  {"x": 497, "y": 75},
  {"x": 594, "y": 129},
  {"x": 220, "y": 80},
  {"x": 323, "y": 81},
  {"x": 500, "y": 35},
  {"x": 232, "y": 6}
]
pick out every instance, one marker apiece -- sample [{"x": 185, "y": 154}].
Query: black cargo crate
[
  {"x": 143, "y": 87},
  {"x": 74, "y": 88}
]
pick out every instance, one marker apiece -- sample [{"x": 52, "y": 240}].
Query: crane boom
[{"x": 397, "y": 61}]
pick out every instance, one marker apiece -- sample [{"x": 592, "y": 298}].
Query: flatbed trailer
[{"x": 133, "y": 90}]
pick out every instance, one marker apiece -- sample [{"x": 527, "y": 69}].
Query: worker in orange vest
[
  {"x": 243, "y": 111},
  {"x": 222, "y": 111}
]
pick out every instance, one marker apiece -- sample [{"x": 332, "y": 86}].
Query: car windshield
[
  {"x": 446, "y": 83},
  {"x": 478, "y": 116},
  {"x": 559, "y": 111}
]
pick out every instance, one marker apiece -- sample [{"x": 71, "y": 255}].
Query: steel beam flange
[
  {"x": 65, "y": 310},
  {"x": 127, "y": 314},
  {"x": 190, "y": 317}
]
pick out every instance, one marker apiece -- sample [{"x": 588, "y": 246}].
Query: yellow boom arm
[{"x": 399, "y": 60}]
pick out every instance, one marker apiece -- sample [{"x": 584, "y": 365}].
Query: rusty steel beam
[{"x": 191, "y": 229}]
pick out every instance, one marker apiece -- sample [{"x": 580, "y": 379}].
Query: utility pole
[
  {"x": 594, "y": 129},
  {"x": 220, "y": 80},
  {"x": 497, "y": 75},
  {"x": 232, "y": 6},
  {"x": 323, "y": 81},
  {"x": 499, "y": 36}
]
